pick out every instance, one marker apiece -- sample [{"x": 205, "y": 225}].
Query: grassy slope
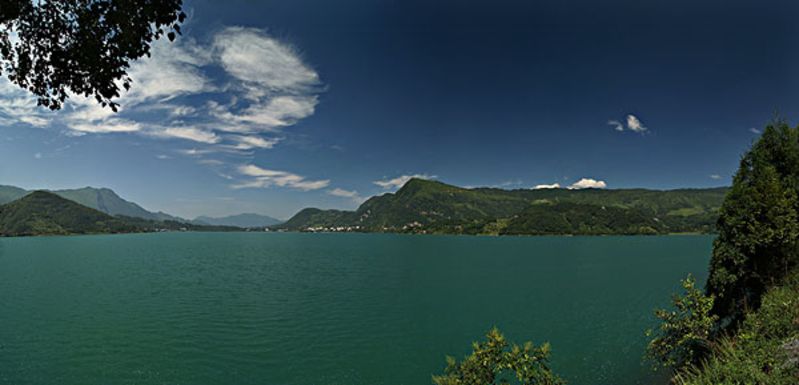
[{"x": 757, "y": 354}]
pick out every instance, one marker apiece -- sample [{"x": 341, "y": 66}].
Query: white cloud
[
  {"x": 188, "y": 133},
  {"x": 196, "y": 151},
  {"x": 351, "y": 194},
  {"x": 755, "y": 130},
  {"x": 262, "y": 63},
  {"x": 250, "y": 142},
  {"x": 37, "y": 155},
  {"x": 211, "y": 162},
  {"x": 36, "y": 121},
  {"x": 178, "y": 111},
  {"x": 715, "y": 176},
  {"x": 107, "y": 126},
  {"x": 17, "y": 105},
  {"x": 616, "y": 125},
  {"x": 634, "y": 124},
  {"x": 400, "y": 181},
  {"x": 261, "y": 178},
  {"x": 242, "y": 81},
  {"x": 343, "y": 193},
  {"x": 546, "y": 186},
  {"x": 587, "y": 183},
  {"x": 173, "y": 69}
]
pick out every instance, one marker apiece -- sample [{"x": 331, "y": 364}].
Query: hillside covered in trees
[
  {"x": 744, "y": 329},
  {"x": 424, "y": 206},
  {"x": 44, "y": 213}
]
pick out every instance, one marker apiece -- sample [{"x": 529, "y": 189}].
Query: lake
[{"x": 326, "y": 309}]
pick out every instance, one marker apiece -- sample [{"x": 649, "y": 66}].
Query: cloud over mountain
[
  {"x": 399, "y": 181},
  {"x": 588, "y": 183}
]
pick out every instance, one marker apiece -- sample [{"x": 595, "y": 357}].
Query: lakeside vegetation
[
  {"x": 432, "y": 207},
  {"x": 743, "y": 329}
]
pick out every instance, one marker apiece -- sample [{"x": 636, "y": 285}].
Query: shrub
[
  {"x": 684, "y": 335},
  {"x": 494, "y": 359}
]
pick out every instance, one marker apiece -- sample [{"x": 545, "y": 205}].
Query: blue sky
[{"x": 272, "y": 106}]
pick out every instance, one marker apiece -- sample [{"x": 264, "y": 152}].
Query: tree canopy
[
  {"x": 54, "y": 48},
  {"x": 758, "y": 225}
]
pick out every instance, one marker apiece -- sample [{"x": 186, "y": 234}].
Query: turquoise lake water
[{"x": 326, "y": 309}]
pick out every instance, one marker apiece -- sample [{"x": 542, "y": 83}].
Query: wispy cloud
[
  {"x": 107, "y": 126},
  {"x": 546, "y": 186},
  {"x": 247, "y": 142},
  {"x": 258, "y": 177},
  {"x": 617, "y": 125},
  {"x": 351, "y": 194},
  {"x": 234, "y": 94},
  {"x": 715, "y": 176},
  {"x": 400, "y": 181},
  {"x": 755, "y": 130},
  {"x": 587, "y": 183},
  {"x": 189, "y": 133}
]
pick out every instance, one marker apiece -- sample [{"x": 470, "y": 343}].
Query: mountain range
[
  {"x": 46, "y": 213},
  {"x": 107, "y": 201},
  {"x": 101, "y": 199},
  {"x": 240, "y": 220},
  {"x": 425, "y": 206}
]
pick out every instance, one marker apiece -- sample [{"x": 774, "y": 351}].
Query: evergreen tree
[{"x": 758, "y": 226}]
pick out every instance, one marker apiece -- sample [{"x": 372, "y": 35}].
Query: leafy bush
[
  {"x": 684, "y": 336},
  {"x": 760, "y": 353},
  {"x": 494, "y": 359}
]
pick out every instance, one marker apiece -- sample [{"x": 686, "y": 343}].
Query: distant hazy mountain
[
  {"x": 101, "y": 199},
  {"x": 11, "y": 193},
  {"x": 240, "y": 220},
  {"x": 45, "y": 213},
  {"x": 423, "y": 206},
  {"x": 109, "y": 202}
]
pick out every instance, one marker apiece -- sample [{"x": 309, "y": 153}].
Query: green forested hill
[
  {"x": 45, "y": 213},
  {"x": 424, "y": 206}
]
